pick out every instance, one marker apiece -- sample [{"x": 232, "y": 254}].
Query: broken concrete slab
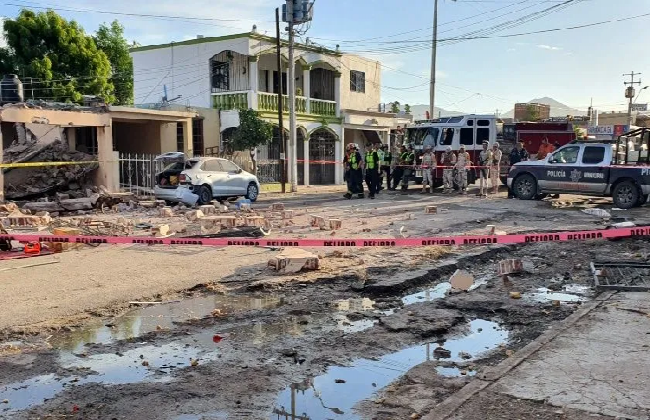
[
  {"x": 38, "y": 206},
  {"x": 75, "y": 204},
  {"x": 294, "y": 260},
  {"x": 422, "y": 319},
  {"x": 461, "y": 280},
  {"x": 511, "y": 266}
]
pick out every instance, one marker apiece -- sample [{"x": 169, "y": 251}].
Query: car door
[
  {"x": 593, "y": 170},
  {"x": 236, "y": 181},
  {"x": 215, "y": 176},
  {"x": 561, "y": 170}
]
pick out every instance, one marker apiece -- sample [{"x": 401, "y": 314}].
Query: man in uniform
[
  {"x": 448, "y": 162},
  {"x": 484, "y": 161},
  {"x": 428, "y": 167},
  {"x": 399, "y": 168},
  {"x": 518, "y": 154},
  {"x": 372, "y": 171},
  {"x": 409, "y": 163},
  {"x": 462, "y": 162},
  {"x": 386, "y": 159},
  {"x": 495, "y": 167},
  {"x": 354, "y": 166}
]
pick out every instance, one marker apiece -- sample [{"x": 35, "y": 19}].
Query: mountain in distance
[
  {"x": 419, "y": 112},
  {"x": 558, "y": 109}
]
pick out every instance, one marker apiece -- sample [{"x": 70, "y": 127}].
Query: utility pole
[
  {"x": 434, "y": 46},
  {"x": 629, "y": 93},
  {"x": 283, "y": 178}
]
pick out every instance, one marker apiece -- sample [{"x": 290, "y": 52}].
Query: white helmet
[{"x": 448, "y": 149}]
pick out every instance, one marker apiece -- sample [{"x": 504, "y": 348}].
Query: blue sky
[{"x": 481, "y": 75}]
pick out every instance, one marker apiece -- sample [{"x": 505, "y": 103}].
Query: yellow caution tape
[{"x": 41, "y": 164}]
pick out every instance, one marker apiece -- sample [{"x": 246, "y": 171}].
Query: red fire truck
[{"x": 532, "y": 134}]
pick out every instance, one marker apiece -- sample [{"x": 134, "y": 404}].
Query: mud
[{"x": 313, "y": 338}]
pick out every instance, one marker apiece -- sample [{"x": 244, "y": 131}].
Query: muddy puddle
[
  {"x": 159, "y": 317},
  {"x": 334, "y": 394},
  {"x": 439, "y": 291},
  {"x": 147, "y": 363},
  {"x": 573, "y": 293}
]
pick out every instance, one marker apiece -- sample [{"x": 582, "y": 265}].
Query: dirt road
[{"x": 374, "y": 334}]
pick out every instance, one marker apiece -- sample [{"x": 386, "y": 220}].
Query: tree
[
  {"x": 63, "y": 60},
  {"x": 252, "y": 132},
  {"x": 407, "y": 108},
  {"x": 110, "y": 39},
  {"x": 395, "y": 107},
  {"x": 532, "y": 113}
]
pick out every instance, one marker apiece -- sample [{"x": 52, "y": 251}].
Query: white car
[{"x": 206, "y": 177}]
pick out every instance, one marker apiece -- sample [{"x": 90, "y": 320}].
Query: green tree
[
  {"x": 395, "y": 107},
  {"x": 110, "y": 39},
  {"x": 252, "y": 132},
  {"x": 407, "y": 108},
  {"x": 63, "y": 60},
  {"x": 532, "y": 113}
]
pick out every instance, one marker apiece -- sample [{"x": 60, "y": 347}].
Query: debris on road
[
  {"x": 512, "y": 266},
  {"x": 515, "y": 295},
  {"x": 431, "y": 210},
  {"x": 598, "y": 213},
  {"x": 461, "y": 280},
  {"x": 294, "y": 260}
]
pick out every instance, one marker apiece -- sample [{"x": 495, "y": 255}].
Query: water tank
[{"x": 11, "y": 89}]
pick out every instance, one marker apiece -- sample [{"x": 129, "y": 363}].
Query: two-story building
[{"x": 337, "y": 94}]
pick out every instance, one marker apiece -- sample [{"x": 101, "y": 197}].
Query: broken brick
[
  {"x": 254, "y": 221},
  {"x": 166, "y": 212},
  {"x": 511, "y": 266},
  {"x": 208, "y": 209},
  {"x": 277, "y": 207},
  {"x": 293, "y": 260},
  {"x": 335, "y": 224},
  {"x": 287, "y": 214},
  {"x": 194, "y": 215},
  {"x": 431, "y": 209}
]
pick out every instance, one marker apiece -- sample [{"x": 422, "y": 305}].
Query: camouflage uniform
[
  {"x": 448, "y": 161},
  {"x": 464, "y": 160}
]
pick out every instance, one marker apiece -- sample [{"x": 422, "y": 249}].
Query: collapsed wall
[{"x": 43, "y": 143}]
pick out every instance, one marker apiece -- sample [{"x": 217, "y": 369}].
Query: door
[
  {"x": 594, "y": 170},
  {"x": 214, "y": 175},
  {"x": 562, "y": 170},
  {"x": 321, "y": 153},
  {"x": 235, "y": 182}
]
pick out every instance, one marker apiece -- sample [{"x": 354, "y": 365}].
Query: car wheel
[
  {"x": 525, "y": 187},
  {"x": 626, "y": 195},
  {"x": 252, "y": 192},
  {"x": 205, "y": 194}
]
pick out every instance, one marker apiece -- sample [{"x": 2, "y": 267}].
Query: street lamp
[{"x": 639, "y": 94}]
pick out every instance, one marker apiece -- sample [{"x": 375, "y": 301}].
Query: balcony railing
[{"x": 269, "y": 102}]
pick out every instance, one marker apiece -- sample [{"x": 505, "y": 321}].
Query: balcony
[{"x": 268, "y": 102}]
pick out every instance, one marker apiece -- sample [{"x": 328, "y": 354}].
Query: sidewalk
[{"x": 597, "y": 367}]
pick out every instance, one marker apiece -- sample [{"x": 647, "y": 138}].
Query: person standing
[
  {"x": 495, "y": 167},
  {"x": 448, "y": 163},
  {"x": 518, "y": 154},
  {"x": 463, "y": 161},
  {"x": 399, "y": 168},
  {"x": 354, "y": 165},
  {"x": 380, "y": 154},
  {"x": 428, "y": 168},
  {"x": 484, "y": 162},
  {"x": 409, "y": 163},
  {"x": 545, "y": 149},
  {"x": 372, "y": 171},
  {"x": 386, "y": 160}
]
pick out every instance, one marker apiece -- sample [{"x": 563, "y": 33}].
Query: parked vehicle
[
  {"x": 620, "y": 170},
  {"x": 206, "y": 177},
  {"x": 465, "y": 130}
]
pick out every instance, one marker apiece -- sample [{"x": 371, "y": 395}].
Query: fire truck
[
  {"x": 532, "y": 134},
  {"x": 466, "y": 130}
]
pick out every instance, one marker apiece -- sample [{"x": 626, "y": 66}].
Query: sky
[{"x": 573, "y": 66}]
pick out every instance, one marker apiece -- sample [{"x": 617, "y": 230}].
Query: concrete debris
[
  {"x": 515, "y": 295},
  {"x": 335, "y": 224},
  {"x": 8, "y": 208},
  {"x": 431, "y": 209},
  {"x": 441, "y": 353},
  {"x": 294, "y": 260},
  {"x": 161, "y": 231},
  {"x": 254, "y": 221},
  {"x": 222, "y": 221},
  {"x": 287, "y": 214},
  {"x": 511, "y": 266},
  {"x": 62, "y": 247},
  {"x": 461, "y": 280},
  {"x": 194, "y": 215},
  {"x": 277, "y": 207},
  {"x": 598, "y": 213},
  {"x": 208, "y": 209},
  {"x": 316, "y": 221},
  {"x": 166, "y": 212}
]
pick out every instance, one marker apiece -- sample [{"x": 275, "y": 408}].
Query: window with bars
[
  {"x": 220, "y": 75},
  {"x": 179, "y": 138},
  {"x": 357, "y": 81},
  {"x": 197, "y": 136}
]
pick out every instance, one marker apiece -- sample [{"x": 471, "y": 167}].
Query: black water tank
[{"x": 11, "y": 89}]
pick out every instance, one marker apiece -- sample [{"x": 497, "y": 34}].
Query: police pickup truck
[{"x": 620, "y": 170}]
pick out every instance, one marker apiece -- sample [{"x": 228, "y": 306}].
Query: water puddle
[
  {"x": 334, "y": 394},
  {"x": 349, "y": 326},
  {"x": 145, "y": 364},
  {"x": 159, "y": 316},
  {"x": 439, "y": 291},
  {"x": 570, "y": 294}
]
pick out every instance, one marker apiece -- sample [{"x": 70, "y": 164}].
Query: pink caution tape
[{"x": 348, "y": 242}]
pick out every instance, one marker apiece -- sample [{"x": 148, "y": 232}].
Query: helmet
[
  {"x": 462, "y": 147},
  {"x": 496, "y": 144},
  {"x": 448, "y": 149}
]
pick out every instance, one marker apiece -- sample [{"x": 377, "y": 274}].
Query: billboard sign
[{"x": 639, "y": 107}]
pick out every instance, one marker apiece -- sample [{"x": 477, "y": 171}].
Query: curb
[{"x": 449, "y": 406}]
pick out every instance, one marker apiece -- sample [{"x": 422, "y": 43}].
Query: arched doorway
[{"x": 322, "y": 156}]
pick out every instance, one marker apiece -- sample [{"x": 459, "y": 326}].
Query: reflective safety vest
[
  {"x": 353, "y": 161},
  {"x": 370, "y": 160},
  {"x": 410, "y": 158},
  {"x": 388, "y": 158}
]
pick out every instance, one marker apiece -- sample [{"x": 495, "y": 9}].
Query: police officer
[
  {"x": 484, "y": 161},
  {"x": 354, "y": 165},
  {"x": 518, "y": 154},
  {"x": 399, "y": 168},
  {"x": 372, "y": 171},
  {"x": 448, "y": 161},
  {"x": 495, "y": 167},
  {"x": 408, "y": 162},
  {"x": 463, "y": 161},
  {"x": 386, "y": 159}
]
